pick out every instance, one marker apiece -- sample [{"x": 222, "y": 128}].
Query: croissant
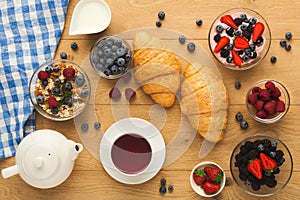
[
  {"x": 204, "y": 101},
  {"x": 157, "y": 69}
]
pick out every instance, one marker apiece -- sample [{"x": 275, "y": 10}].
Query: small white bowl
[
  {"x": 90, "y": 16},
  {"x": 197, "y": 188}
]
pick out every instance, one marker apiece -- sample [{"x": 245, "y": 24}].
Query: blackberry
[
  {"x": 256, "y": 143},
  {"x": 267, "y": 151},
  {"x": 243, "y": 149},
  {"x": 276, "y": 170},
  {"x": 247, "y": 34},
  {"x": 250, "y": 28},
  {"x": 244, "y": 170},
  {"x": 248, "y": 145},
  {"x": 253, "y": 55},
  {"x": 271, "y": 184},
  {"x": 217, "y": 38},
  {"x": 259, "y": 41},
  {"x": 252, "y": 178},
  {"x": 281, "y": 161},
  {"x": 253, "y": 154},
  {"x": 224, "y": 53},
  {"x": 279, "y": 153},
  {"x": 229, "y": 46},
  {"x": 266, "y": 142},
  {"x": 243, "y": 177},
  {"x": 255, "y": 186},
  {"x": 230, "y": 31},
  {"x": 238, "y": 157},
  {"x": 245, "y": 158},
  {"x": 240, "y": 52},
  {"x": 238, "y": 21},
  {"x": 252, "y": 47}
]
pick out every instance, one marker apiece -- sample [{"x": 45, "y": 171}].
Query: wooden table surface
[{"x": 89, "y": 180}]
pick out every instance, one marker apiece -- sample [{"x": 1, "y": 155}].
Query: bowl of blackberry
[
  {"x": 261, "y": 165},
  {"x": 59, "y": 90},
  {"x": 239, "y": 38},
  {"x": 111, "y": 56},
  {"x": 267, "y": 101}
]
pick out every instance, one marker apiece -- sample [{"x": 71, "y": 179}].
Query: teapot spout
[{"x": 73, "y": 149}]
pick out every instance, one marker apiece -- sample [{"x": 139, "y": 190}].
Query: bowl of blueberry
[
  {"x": 261, "y": 165},
  {"x": 267, "y": 101},
  {"x": 111, "y": 56},
  {"x": 59, "y": 90},
  {"x": 239, "y": 38}
]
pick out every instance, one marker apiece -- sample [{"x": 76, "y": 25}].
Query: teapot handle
[{"x": 10, "y": 171}]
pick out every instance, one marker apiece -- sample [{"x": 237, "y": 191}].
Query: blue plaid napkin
[{"x": 30, "y": 31}]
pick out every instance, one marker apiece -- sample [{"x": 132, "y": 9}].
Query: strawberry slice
[
  {"x": 227, "y": 19},
  {"x": 241, "y": 43},
  {"x": 258, "y": 29},
  {"x": 255, "y": 168},
  {"x": 267, "y": 162},
  {"x": 237, "y": 60},
  {"x": 221, "y": 44}
]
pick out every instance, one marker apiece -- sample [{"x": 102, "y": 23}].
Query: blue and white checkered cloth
[{"x": 30, "y": 31}]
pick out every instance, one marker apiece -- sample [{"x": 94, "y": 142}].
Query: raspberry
[
  {"x": 259, "y": 104},
  {"x": 43, "y": 75},
  {"x": 115, "y": 93},
  {"x": 261, "y": 114},
  {"x": 270, "y": 86},
  {"x": 52, "y": 102},
  {"x": 252, "y": 98},
  {"x": 129, "y": 93},
  {"x": 69, "y": 72},
  {"x": 270, "y": 107},
  {"x": 256, "y": 90},
  {"x": 280, "y": 107},
  {"x": 264, "y": 94},
  {"x": 276, "y": 93}
]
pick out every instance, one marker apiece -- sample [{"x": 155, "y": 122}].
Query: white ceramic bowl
[{"x": 197, "y": 188}]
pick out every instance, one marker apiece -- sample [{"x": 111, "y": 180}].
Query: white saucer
[{"x": 144, "y": 129}]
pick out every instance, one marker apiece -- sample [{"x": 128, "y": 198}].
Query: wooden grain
[{"x": 90, "y": 181}]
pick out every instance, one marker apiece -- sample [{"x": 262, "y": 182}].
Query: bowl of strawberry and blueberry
[
  {"x": 59, "y": 90},
  {"x": 261, "y": 165},
  {"x": 207, "y": 179},
  {"x": 111, "y": 56},
  {"x": 239, "y": 38},
  {"x": 267, "y": 101}
]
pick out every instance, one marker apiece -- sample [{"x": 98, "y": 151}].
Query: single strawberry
[
  {"x": 261, "y": 114},
  {"x": 264, "y": 94},
  {"x": 241, "y": 43},
  {"x": 43, "y": 75},
  {"x": 69, "y": 72},
  {"x": 221, "y": 44},
  {"x": 199, "y": 176},
  {"x": 252, "y": 98},
  {"x": 280, "y": 107},
  {"x": 227, "y": 19},
  {"x": 270, "y": 86},
  {"x": 129, "y": 93},
  {"x": 258, "y": 29},
  {"x": 237, "y": 60},
  {"x": 214, "y": 174},
  {"x": 259, "y": 104},
  {"x": 210, "y": 187},
  {"x": 52, "y": 102},
  {"x": 270, "y": 107},
  {"x": 267, "y": 162},
  {"x": 255, "y": 168}
]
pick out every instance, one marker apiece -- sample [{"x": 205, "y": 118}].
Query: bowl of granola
[{"x": 59, "y": 90}]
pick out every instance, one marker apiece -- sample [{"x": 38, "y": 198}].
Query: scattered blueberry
[
  {"x": 158, "y": 23},
  {"x": 163, "y": 181},
  {"x": 243, "y": 16},
  {"x": 252, "y": 47},
  {"x": 56, "y": 91},
  {"x": 252, "y": 21},
  {"x": 282, "y": 43},
  {"x": 74, "y": 46},
  {"x": 84, "y": 92},
  {"x": 239, "y": 116},
  {"x": 54, "y": 110},
  {"x": 219, "y": 29},
  {"x": 237, "y": 32},
  {"x": 69, "y": 101},
  {"x": 260, "y": 147},
  {"x": 182, "y": 39},
  {"x": 273, "y": 144},
  {"x": 199, "y": 22},
  {"x": 48, "y": 69},
  {"x": 170, "y": 188},
  {"x": 79, "y": 81},
  {"x": 230, "y": 46},
  {"x": 97, "y": 125},
  {"x": 63, "y": 55},
  {"x": 45, "y": 82},
  {"x": 272, "y": 154},
  {"x": 273, "y": 59},
  {"x": 217, "y": 38},
  {"x": 243, "y": 27},
  {"x": 288, "y": 47},
  {"x": 247, "y": 183},
  {"x": 84, "y": 127},
  {"x": 121, "y": 62},
  {"x": 288, "y": 35},
  {"x": 191, "y": 47},
  {"x": 68, "y": 86},
  {"x": 244, "y": 125},
  {"x": 161, "y": 15},
  {"x": 56, "y": 68},
  {"x": 57, "y": 81},
  {"x": 229, "y": 59},
  {"x": 162, "y": 190},
  {"x": 40, "y": 99}
]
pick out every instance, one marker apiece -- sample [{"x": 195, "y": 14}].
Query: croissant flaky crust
[
  {"x": 204, "y": 101},
  {"x": 157, "y": 69}
]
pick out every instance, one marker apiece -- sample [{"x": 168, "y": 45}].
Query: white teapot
[{"x": 44, "y": 159}]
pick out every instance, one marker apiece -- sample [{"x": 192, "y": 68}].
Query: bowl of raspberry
[
  {"x": 267, "y": 101},
  {"x": 111, "y": 56},
  {"x": 261, "y": 165},
  {"x": 59, "y": 90},
  {"x": 239, "y": 38}
]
